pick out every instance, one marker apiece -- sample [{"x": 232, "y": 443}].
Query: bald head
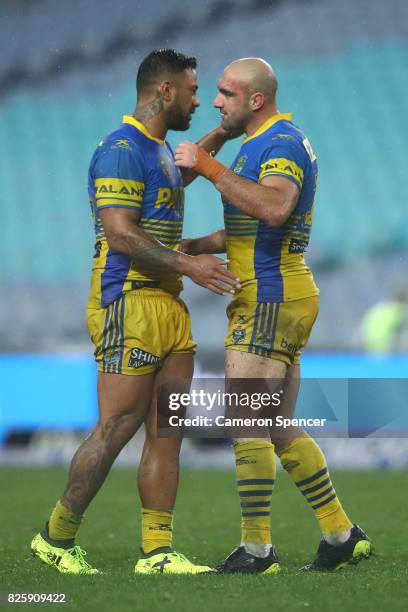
[
  {"x": 246, "y": 94},
  {"x": 256, "y": 74}
]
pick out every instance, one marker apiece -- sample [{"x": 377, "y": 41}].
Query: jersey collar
[
  {"x": 139, "y": 126},
  {"x": 269, "y": 123}
]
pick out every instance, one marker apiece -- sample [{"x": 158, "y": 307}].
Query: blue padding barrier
[
  {"x": 47, "y": 391},
  {"x": 59, "y": 391},
  {"x": 353, "y": 365}
]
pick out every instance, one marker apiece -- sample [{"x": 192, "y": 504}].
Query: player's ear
[
  {"x": 166, "y": 91},
  {"x": 256, "y": 101}
]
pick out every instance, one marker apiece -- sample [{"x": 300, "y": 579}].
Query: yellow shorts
[
  {"x": 137, "y": 331},
  {"x": 277, "y": 330}
]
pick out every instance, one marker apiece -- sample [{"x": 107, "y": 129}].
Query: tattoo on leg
[{"x": 94, "y": 458}]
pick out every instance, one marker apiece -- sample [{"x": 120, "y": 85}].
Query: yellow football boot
[
  {"x": 168, "y": 562},
  {"x": 66, "y": 561}
]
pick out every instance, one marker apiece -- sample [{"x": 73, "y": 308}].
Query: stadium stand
[{"x": 66, "y": 81}]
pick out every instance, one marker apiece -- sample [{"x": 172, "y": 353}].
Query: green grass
[{"x": 206, "y": 529}]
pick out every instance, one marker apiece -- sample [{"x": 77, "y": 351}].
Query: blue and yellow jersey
[
  {"x": 131, "y": 169},
  {"x": 270, "y": 261}
]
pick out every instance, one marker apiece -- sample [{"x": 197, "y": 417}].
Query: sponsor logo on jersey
[
  {"x": 122, "y": 144},
  {"x": 165, "y": 168},
  {"x": 286, "y": 346},
  {"x": 282, "y": 166},
  {"x": 263, "y": 340},
  {"x": 240, "y": 164},
  {"x": 297, "y": 246},
  {"x": 111, "y": 356},
  {"x": 171, "y": 198},
  {"x": 130, "y": 190},
  {"x": 238, "y": 336},
  {"x": 284, "y": 137},
  {"x": 242, "y": 319},
  {"x": 139, "y": 358}
]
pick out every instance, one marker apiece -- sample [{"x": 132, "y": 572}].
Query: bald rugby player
[{"x": 268, "y": 197}]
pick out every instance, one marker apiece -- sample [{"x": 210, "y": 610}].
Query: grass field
[{"x": 206, "y": 529}]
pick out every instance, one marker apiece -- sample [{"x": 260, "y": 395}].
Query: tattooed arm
[{"x": 125, "y": 236}]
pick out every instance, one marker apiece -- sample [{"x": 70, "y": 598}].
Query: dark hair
[{"x": 160, "y": 61}]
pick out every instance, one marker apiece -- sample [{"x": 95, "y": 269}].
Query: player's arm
[
  {"x": 271, "y": 201},
  {"x": 211, "y": 143},
  {"x": 212, "y": 243},
  {"x": 125, "y": 236}
]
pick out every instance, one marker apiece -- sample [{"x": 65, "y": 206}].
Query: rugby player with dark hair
[
  {"x": 268, "y": 197},
  {"x": 136, "y": 320}
]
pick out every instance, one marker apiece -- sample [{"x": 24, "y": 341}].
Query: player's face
[
  {"x": 185, "y": 101},
  {"x": 233, "y": 102}
]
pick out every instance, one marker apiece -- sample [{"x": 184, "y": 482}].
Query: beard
[
  {"x": 178, "y": 121},
  {"x": 234, "y": 124}
]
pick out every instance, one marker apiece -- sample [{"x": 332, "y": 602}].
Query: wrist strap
[{"x": 208, "y": 166}]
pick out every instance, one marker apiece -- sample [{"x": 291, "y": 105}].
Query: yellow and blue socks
[
  {"x": 157, "y": 529},
  {"x": 306, "y": 465},
  {"x": 256, "y": 473},
  {"x": 63, "y": 524}
]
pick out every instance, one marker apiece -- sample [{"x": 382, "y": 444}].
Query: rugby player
[
  {"x": 137, "y": 322},
  {"x": 268, "y": 197}
]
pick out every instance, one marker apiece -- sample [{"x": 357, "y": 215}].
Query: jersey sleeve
[
  {"x": 119, "y": 177},
  {"x": 284, "y": 157}
]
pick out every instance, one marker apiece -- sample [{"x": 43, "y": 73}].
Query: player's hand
[
  {"x": 209, "y": 271},
  {"x": 186, "y": 154}
]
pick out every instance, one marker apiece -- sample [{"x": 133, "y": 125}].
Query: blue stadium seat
[{"x": 342, "y": 71}]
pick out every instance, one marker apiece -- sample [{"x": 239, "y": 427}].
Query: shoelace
[{"x": 78, "y": 553}]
